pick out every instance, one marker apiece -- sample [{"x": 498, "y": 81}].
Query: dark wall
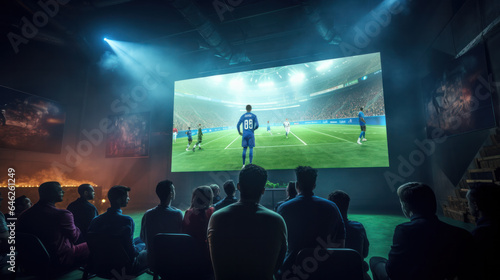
[{"x": 451, "y": 158}]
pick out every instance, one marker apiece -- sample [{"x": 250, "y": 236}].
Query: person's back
[
  {"x": 425, "y": 247},
  {"x": 247, "y": 241},
  {"x": 310, "y": 219},
  {"x": 83, "y": 211},
  {"x": 164, "y": 218},
  {"x": 195, "y": 221},
  {"x": 230, "y": 191},
  {"x": 484, "y": 206},
  {"x": 54, "y": 227},
  {"x": 116, "y": 225}
]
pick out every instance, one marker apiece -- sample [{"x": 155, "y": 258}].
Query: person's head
[
  {"x": 51, "y": 192},
  {"x": 267, "y": 121},
  {"x": 199, "y": 125},
  {"x": 22, "y": 203},
  {"x": 86, "y": 191},
  {"x": 118, "y": 196},
  {"x": 417, "y": 199},
  {"x": 202, "y": 197},
  {"x": 342, "y": 200},
  {"x": 291, "y": 190},
  {"x": 252, "y": 182},
  {"x": 483, "y": 200},
  {"x": 229, "y": 188},
  {"x": 306, "y": 179},
  {"x": 189, "y": 128},
  {"x": 165, "y": 191},
  {"x": 215, "y": 189},
  {"x": 249, "y": 108},
  {"x": 361, "y": 108}
]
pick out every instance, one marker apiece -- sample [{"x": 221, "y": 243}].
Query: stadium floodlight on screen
[{"x": 321, "y": 101}]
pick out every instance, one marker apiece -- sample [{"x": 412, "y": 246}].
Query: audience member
[
  {"x": 291, "y": 192},
  {"x": 425, "y": 247},
  {"x": 196, "y": 218},
  {"x": 113, "y": 223},
  {"x": 309, "y": 219},
  {"x": 4, "y": 235},
  {"x": 247, "y": 241},
  {"x": 164, "y": 218},
  {"x": 230, "y": 191},
  {"x": 483, "y": 204},
  {"x": 83, "y": 211},
  {"x": 21, "y": 203},
  {"x": 54, "y": 227},
  {"x": 216, "y": 192},
  {"x": 355, "y": 234}
]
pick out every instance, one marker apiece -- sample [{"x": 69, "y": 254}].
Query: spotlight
[{"x": 105, "y": 39}]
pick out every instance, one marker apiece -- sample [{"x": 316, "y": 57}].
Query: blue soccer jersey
[
  {"x": 250, "y": 123},
  {"x": 190, "y": 137},
  {"x": 361, "y": 116}
]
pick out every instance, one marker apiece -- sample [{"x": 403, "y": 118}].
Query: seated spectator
[
  {"x": 355, "y": 234},
  {"x": 216, "y": 192},
  {"x": 163, "y": 218},
  {"x": 425, "y": 247},
  {"x": 21, "y": 203},
  {"x": 196, "y": 218},
  {"x": 114, "y": 223},
  {"x": 291, "y": 192},
  {"x": 309, "y": 218},
  {"x": 483, "y": 204},
  {"x": 83, "y": 211},
  {"x": 247, "y": 241},
  {"x": 54, "y": 227},
  {"x": 230, "y": 191},
  {"x": 4, "y": 235}
]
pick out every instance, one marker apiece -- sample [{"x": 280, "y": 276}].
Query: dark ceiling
[{"x": 224, "y": 32}]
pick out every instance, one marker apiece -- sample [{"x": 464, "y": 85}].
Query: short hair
[
  {"x": 215, "y": 189},
  {"x": 252, "y": 181},
  {"x": 306, "y": 177},
  {"x": 249, "y": 108},
  {"x": 20, "y": 200},
  {"x": 202, "y": 197},
  {"x": 291, "y": 190},
  {"x": 117, "y": 192},
  {"x": 229, "y": 187},
  {"x": 361, "y": 108},
  {"x": 485, "y": 197},
  {"x": 46, "y": 190},
  {"x": 342, "y": 200},
  {"x": 84, "y": 187},
  {"x": 418, "y": 198},
  {"x": 164, "y": 189}
]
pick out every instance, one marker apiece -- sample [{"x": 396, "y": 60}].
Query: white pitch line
[
  {"x": 298, "y": 138},
  {"x": 231, "y": 142},
  {"x": 328, "y": 135},
  {"x": 216, "y": 139},
  {"x": 280, "y": 146}
]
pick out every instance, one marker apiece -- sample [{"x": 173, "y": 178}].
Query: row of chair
[{"x": 176, "y": 256}]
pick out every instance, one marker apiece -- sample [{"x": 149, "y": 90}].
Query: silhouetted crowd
[{"x": 226, "y": 238}]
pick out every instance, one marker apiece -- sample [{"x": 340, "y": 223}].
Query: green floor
[{"x": 379, "y": 229}]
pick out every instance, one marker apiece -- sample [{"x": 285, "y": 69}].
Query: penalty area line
[
  {"x": 298, "y": 138},
  {"x": 231, "y": 142}
]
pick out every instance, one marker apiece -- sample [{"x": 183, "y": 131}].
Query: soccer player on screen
[
  {"x": 200, "y": 135},
  {"x": 250, "y": 124},
  {"x": 190, "y": 138},
  {"x": 269, "y": 128},
  {"x": 174, "y": 133},
  {"x": 362, "y": 123},
  {"x": 286, "y": 124}
]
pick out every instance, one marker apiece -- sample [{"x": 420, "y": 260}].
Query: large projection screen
[{"x": 321, "y": 100}]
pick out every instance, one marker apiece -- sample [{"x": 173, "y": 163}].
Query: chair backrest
[
  {"x": 32, "y": 255},
  {"x": 179, "y": 256},
  {"x": 106, "y": 255},
  {"x": 334, "y": 264}
]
